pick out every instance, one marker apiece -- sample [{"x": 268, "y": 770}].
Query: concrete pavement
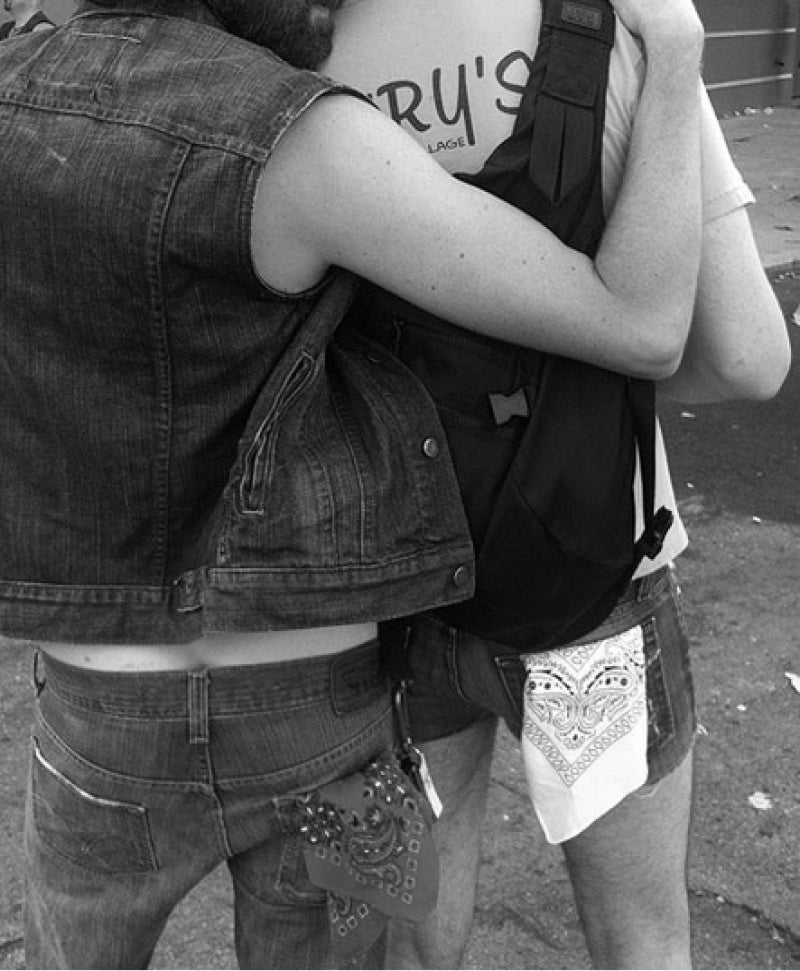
[
  {"x": 736, "y": 469},
  {"x": 765, "y": 143}
]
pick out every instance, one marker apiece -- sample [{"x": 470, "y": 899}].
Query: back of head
[{"x": 298, "y": 31}]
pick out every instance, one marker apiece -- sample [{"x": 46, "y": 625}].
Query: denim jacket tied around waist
[{"x": 184, "y": 450}]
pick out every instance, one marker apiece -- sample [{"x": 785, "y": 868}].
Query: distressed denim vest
[{"x": 184, "y": 450}]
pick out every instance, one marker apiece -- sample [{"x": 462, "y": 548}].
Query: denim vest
[{"x": 184, "y": 450}]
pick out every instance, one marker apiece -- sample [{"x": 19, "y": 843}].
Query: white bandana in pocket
[{"x": 584, "y": 735}]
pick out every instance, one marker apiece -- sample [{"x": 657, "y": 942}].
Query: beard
[{"x": 298, "y": 31}]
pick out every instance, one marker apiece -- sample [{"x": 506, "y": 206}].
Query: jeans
[
  {"x": 141, "y": 784},
  {"x": 460, "y": 678}
]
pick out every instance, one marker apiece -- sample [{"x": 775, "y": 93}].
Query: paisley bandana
[
  {"x": 369, "y": 845},
  {"x": 584, "y": 736}
]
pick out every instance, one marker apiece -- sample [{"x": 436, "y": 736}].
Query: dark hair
[
  {"x": 286, "y": 27},
  {"x": 245, "y": 18}
]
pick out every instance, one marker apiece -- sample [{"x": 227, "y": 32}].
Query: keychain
[{"x": 412, "y": 760}]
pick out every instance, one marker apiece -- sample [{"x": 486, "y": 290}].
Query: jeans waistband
[
  {"x": 642, "y": 596},
  {"x": 349, "y": 679},
  {"x": 646, "y": 586}
]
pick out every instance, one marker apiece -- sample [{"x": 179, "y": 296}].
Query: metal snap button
[
  {"x": 461, "y": 576},
  {"x": 430, "y": 447}
]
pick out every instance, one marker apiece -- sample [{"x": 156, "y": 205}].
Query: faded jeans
[{"x": 141, "y": 784}]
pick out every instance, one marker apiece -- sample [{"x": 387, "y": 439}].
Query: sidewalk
[
  {"x": 736, "y": 469},
  {"x": 766, "y": 147}
]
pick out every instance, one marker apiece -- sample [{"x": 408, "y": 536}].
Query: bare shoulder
[
  {"x": 339, "y": 168},
  {"x": 345, "y": 136},
  {"x": 296, "y": 188}
]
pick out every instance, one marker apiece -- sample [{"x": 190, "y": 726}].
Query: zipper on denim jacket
[{"x": 259, "y": 456}]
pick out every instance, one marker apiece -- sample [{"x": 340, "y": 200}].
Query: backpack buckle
[
  {"x": 652, "y": 539},
  {"x": 507, "y": 406}
]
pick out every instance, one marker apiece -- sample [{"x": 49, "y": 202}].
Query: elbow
[
  {"x": 662, "y": 352},
  {"x": 757, "y": 378},
  {"x": 758, "y": 371},
  {"x": 743, "y": 342},
  {"x": 764, "y": 380},
  {"x": 663, "y": 365}
]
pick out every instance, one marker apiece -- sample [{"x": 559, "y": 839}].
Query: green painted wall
[{"x": 751, "y": 56}]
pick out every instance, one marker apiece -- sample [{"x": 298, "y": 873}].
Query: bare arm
[
  {"x": 738, "y": 345},
  {"x": 347, "y": 187}
]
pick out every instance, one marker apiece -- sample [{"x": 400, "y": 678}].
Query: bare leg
[
  {"x": 628, "y": 872},
  {"x": 460, "y": 766}
]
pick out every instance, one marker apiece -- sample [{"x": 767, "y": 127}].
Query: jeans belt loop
[
  {"x": 198, "y": 707},
  {"x": 38, "y": 681}
]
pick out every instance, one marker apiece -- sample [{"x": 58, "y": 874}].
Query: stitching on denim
[
  {"x": 452, "y": 662},
  {"x": 258, "y": 461},
  {"x": 661, "y": 730},
  {"x": 197, "y": 700}
]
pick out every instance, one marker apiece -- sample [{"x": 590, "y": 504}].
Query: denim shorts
[
  {"x": 141, "y": 784},
  {"x": 459, "y": 678}
]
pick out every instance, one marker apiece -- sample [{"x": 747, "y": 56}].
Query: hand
[{"x": 673, "y": 24}]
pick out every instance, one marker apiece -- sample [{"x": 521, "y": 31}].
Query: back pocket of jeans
[{"x": 99, "y": 834}]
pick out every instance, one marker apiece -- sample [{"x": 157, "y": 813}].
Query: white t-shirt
[{"x": 452, "y": 72}]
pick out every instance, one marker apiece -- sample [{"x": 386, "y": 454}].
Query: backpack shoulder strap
[
  {"x": 641, "y": 395},
  {"x": 571, "y": 69},
  {"x": 550, "y": 164}
]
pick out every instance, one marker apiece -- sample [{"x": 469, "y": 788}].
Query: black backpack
[{"x": 544, "y": 447}]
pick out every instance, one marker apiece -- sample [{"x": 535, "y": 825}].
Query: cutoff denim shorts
[
  {"x": 141, "y": 784},
  {"x": 459, "y": 678}
]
